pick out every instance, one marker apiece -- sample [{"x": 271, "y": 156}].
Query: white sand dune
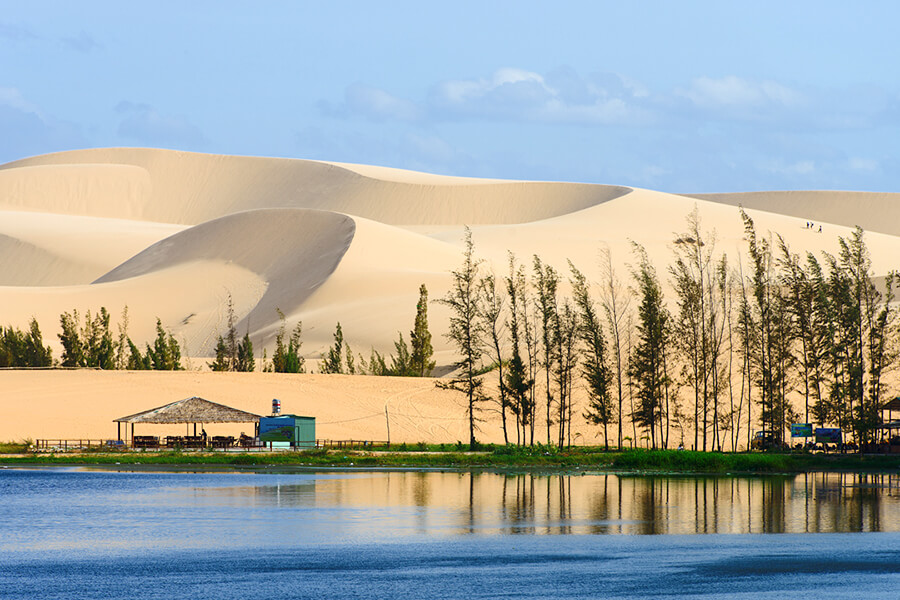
[
  {"x": 188, "y": 188},
  {"x": 26, "y": 264},
  {"x": 62, "y": 249},
  {"x": 173, "y": 234},
  {"x": 293, "y": 250}
]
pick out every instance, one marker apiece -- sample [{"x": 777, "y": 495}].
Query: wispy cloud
[
  {"x": 372, "y": 103},
  {"x": 509, "y": 94},
  {"x": 865, "y": 165},
  {"x": 28, "y": 130},
  {"x": 709, "y": 133},
  {"x": 416, "y": 150},
  {"x": 560, "y": 97},
  {"x": 736, "y": 93},
  {"x": 563, "y": 96},
  {"x": 16, "y": 33},
  {"x": 13, "y": 98},
  {"x": 83, "y": 42},
  {"x": 144, "y": 124}
]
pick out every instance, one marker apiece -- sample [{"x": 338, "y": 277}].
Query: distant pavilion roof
[
  {"x": 191, "y": 410},
  {"x": 893, "y": 404}
]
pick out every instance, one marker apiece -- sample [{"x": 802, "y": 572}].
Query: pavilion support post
[
  {"x": 132, "y": 434},
  {"x": 119, "y": 430}
]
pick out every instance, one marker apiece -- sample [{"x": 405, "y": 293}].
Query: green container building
[{"x": 299, "y": 432}]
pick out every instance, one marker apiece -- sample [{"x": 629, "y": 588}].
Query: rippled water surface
[{"x": 94, "y": 534}]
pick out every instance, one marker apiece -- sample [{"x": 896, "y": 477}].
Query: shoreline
[{"x": 572, "y": 462}]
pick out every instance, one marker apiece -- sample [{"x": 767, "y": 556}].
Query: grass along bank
[
  {"x": 502, "y": 457},
  {"x": 20, "y": 447}
]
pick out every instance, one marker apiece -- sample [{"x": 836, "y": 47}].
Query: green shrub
[{"x": 15, "y": 447}]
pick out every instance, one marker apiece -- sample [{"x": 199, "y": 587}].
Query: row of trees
[
  {"x": 824, "y": 328},
  {"x": 90, "y": 343},
  {"x": 411, "y": 360},
  {"x": 523, "y": 328},
  {"x": 233, "y": 354},
  {"x": 726, "y": 354},
  {"x": 24, "y": 348}
]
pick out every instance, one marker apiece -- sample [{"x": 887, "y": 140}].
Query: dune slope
[
  {"x": 294, "y": 251},
  {"x": 48, "y": 249},
  {"x": 189, "y": 188},
  {"x": 870, "y": 210}
]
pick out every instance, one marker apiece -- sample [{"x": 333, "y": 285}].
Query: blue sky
[{"x": 675, "y": 96}]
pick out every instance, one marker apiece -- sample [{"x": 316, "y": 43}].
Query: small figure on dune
[{"x": 820, "y": 229}]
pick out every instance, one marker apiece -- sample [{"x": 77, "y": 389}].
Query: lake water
[{"x": 69, "y": 533}]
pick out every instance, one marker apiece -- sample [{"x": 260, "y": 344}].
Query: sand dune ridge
[
  {"x": 293, "y": 250},
  {"x": 188, "y": 188}
]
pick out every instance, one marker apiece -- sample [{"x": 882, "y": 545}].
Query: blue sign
[
  {"x": 828, "y": 436},
  {"x": 801, "y": 430},
  {"x": 276, "y": 429}
]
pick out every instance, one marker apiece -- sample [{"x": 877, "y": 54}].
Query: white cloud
[
  {"x": 13, "y": 98},
  {"x": 735, "y": 92},
  {"x": 708, "y": 134},
  {"x": 378, "y": 104},
  {"x": 792, "y": 169},
  {"x": 508, "y": 94},
  {"x": 866, "y": 165},
  {"x": 372, "y": 103},
  {"x": 460, "y": 92},
  {"x": 562, "y": 97}
]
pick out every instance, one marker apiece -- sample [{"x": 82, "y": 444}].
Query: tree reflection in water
[{"x": 537, "y": 504}]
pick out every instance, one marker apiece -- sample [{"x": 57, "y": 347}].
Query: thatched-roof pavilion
[
  {"x": 892, "y": 404},
  {"x": 888, "y": 425},
  {"x": 190, "y": 410}
]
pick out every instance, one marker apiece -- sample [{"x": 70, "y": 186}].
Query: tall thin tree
[
  {"x": 421, "y": 350},
  {"x": 545, "y": 283},
  {"x": 596, "y": 372},
  {"x": 492, "y": 315},
  {"x": 616, "y": 301},
  {"x": 466, "y": 333},
  {"x": 648, "y": 359}
]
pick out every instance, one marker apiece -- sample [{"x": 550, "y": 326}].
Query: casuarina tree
[{"x": 466, "y": 332}]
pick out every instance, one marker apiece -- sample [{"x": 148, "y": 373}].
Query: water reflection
[
  {"x": 430, "y": 503},
  {"x": 100, "y": 534}
]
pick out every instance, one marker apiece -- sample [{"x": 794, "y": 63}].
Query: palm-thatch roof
[
  {"x": 191, "y": 410},
  {"x": 893, "y": 404}
]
